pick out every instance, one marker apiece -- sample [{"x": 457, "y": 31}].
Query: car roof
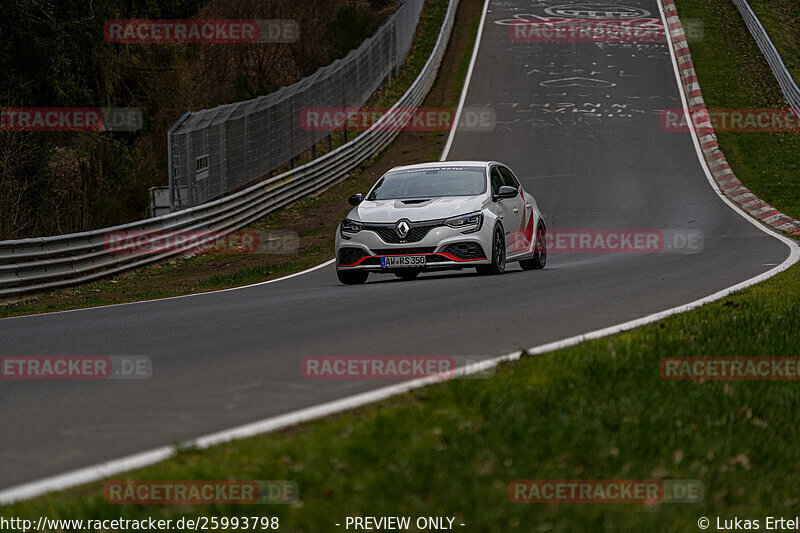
[{"x": 439, "y": 164}]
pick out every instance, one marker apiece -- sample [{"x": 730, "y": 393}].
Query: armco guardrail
[
  {"x": 788, "y": 86},
  {"x": 215, "y": 151},
  {"x": 34, "y": 265}
]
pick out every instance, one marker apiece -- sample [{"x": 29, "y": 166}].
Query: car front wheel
[{"x": 498, "y": 265}]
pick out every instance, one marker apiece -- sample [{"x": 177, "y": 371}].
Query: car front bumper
[{"x": 444, "y": 248}]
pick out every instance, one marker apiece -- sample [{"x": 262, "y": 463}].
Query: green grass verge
[
  {"x": 257, "y": 273},
  {"x": 596, "y": 410},
  {"x": 733, "y": 74},
  {"x": 781, "y": 18}
]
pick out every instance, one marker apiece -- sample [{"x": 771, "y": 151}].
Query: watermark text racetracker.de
[
  {"x": 219, "y": 31},
  {"x": 646, "y": 491},
  {"x": 611, "y": 30},
  {"x": 200, "y": 492},
  {"x": 744, "y": 120},
  {"x": 78, "y": 367},
  {"x": 730, "y": 368},
  {"x": 395, "y": 367},
  {"x": 623, "y": 241},
  {"x": 397, "y": 118},
  {"x": 188, "y": 242},
  {"x": 71, "y": 119}
]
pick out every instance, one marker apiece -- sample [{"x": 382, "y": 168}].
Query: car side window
[
  {"x": 496, "y": 179},
  {"x": 509, "y": 178}
]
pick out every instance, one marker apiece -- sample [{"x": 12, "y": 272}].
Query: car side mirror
[
  {"x": 507, "y": 191},
  {"x": 355, "y": 199}
]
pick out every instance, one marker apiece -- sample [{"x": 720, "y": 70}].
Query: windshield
[{"x": 431, "y": 182}]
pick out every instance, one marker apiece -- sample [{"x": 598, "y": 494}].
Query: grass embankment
[
  {"x": 596, "y": 410},
  {"x": 733, "y": 74},
  {"x": 781, "y": 18}
]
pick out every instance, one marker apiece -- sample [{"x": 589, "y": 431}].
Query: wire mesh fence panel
[
  {"x": 281, "y": 122},
  {"x": 259, "y": 123},
  {"x": 407, "y": 17},
  {"x": 220, "y": 150},
  {"x": 235, "y": 151},
  {"x": 217, "y": 160}
]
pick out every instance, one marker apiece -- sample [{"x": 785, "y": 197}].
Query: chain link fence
[{"x": 215, "y": 151}]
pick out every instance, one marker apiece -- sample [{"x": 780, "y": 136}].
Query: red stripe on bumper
[{"x": 443, "y": 254}]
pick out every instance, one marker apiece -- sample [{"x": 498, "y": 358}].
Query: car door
[
  {"x": 515, "y": 219},
  {"x": 504, "y": 206}
]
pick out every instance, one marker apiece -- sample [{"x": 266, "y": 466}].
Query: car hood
[{"x": 415, "y": 209}]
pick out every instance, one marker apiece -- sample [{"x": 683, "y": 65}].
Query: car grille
[
  {"x": 348, "y": 256},
  {"x": 416, "y": 233},
  {"x": 404, "y": 251},
  {"x": 466, "y": 250}
]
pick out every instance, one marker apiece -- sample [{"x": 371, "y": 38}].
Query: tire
[
  {"x": 407, "y": 275},
  {"x": 352, "y": 277},
  {"x": 498, "y": 265},
  {"x": 539, "y": 258}
]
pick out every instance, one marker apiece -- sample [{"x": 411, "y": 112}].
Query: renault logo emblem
[{"x": 402, "y": 228}]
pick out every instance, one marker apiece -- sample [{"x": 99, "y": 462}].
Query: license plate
[{"x": 403, "y": 261}]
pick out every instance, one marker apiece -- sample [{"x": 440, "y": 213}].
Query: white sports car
[{"x": 438, "y": 216}]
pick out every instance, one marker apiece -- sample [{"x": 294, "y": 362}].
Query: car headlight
[
  {"x": 470, "y": 223},
  {"x": 351, "y": 226}
]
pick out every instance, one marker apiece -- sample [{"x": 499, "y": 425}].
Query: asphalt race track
[{"x": 579, "y": 123}]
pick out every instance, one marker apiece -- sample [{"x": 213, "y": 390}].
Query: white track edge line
[
  {"x": 98, "y": 472},
  {"x": 217, "y": 291},
  {"x": 465, "y": 88}
]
